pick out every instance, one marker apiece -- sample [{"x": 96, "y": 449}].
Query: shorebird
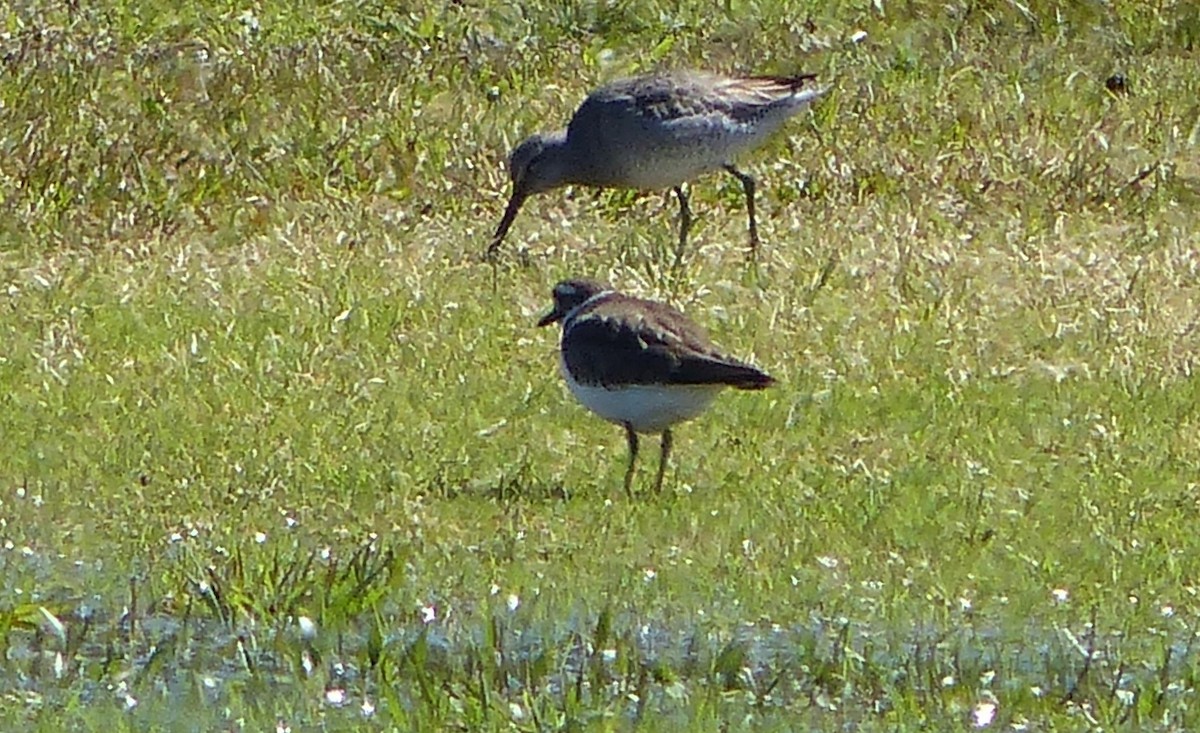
[
  {"x": 640, "y": 363},
  {"x": 656, "y": 132}
]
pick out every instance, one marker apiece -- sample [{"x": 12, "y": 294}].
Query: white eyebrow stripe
[{"x": 571, "y": 313}]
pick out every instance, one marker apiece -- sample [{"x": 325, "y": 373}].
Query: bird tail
[
  {"x": 789, "y": 91},
  {"x": 728, "y": 372},
  {"x": 793, "y": 83},
  {"x": 754, "y": 379}
]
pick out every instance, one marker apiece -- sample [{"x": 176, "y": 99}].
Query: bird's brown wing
[{"x": 650, "y": 344}]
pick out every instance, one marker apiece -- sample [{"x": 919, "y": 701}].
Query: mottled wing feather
[
  {"x": 696, "y": 105},
  {"x": 746, "y": 100},
  {"x": 772, "y": 87}
]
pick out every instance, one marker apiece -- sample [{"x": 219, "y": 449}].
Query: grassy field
[{"x": 280, "y": 451}]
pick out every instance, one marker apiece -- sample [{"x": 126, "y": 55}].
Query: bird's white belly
[
  {"x": 681, "y": 151},
  {"x": 652, "y": 175},
  {"x": 649, "y": 408}
]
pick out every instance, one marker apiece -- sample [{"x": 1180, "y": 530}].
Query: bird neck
[{"x": 602, "y": 295}]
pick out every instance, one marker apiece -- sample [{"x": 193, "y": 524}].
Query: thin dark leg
[
  {"x": 631, "y": 436},
  {"x": 685, "y": 222},
  {"x": 748, "y": 185},
  {"x": 662, "y": 460}
]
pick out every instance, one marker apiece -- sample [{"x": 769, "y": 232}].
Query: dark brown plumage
[{"x": 640, "y": 363}]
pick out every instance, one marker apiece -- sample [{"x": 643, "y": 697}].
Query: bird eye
[{"x": 524, "y": 158}]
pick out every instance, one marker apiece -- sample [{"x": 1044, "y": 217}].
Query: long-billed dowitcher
[
  {"x": 640, "y": 363},
  {"x": 656, "y": 132}
]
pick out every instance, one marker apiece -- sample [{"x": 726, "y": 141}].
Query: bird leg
[
  {"x": 685, "y": 222},
  {"x": 662, "y": 460},
  {"x": 748, "y": 185},
  {"x": 631, "y": 436}
]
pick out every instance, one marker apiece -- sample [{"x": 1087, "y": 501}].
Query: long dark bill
[{"x": 510, "y": 213}]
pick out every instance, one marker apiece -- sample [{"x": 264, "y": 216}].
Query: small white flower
[
  {"x": 983, "y": 714},
  {"x": 335, "y": 696},
  {"x": 827, "y": 562},
  {"x": 512, "y": 602},
  {"x": 308, "y": 627},
  {"x": 608, "y": 655},
  {"x": 516, "y": 711},
  {"x": 858, "y": 36},
  {"x": 1061, "y": 595},
  {"x": 260, "y": 537},
  {"x": 428, "y": 614},
  {"x": 368, "y": 707},
  {"x": 250, "y": 22},
  {"x": 649, "y": 574},
  {"x": 1167, "y": 610},
  {"x": 494, "y": 589},
  {"x": 131, "y": 702},
  {"x": 948, "y": 681}
]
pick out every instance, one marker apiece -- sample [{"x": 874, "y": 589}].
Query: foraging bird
[
  {"x": 640, "y": 363},
  {"x": 656, "y": 132}
]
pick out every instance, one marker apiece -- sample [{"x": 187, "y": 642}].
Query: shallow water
[{"x": 176, "y": 662}]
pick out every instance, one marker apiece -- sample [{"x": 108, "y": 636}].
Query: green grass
[{"x": 253, "y": 369}]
